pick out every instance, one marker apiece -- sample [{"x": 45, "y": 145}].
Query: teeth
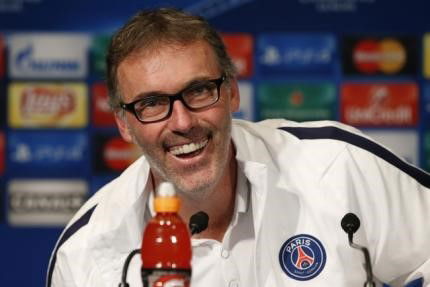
[{"x": 188, "y": 148}]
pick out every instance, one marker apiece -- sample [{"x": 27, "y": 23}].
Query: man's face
[{"x": 190, "y": 148}]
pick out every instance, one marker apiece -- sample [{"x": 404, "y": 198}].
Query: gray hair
[{"x": 149, "y": 29}]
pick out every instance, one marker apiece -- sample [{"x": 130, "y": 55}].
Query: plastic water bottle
[{"x": 166, "y": 244}]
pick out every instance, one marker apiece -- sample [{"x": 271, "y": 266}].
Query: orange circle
[{"x": 393, "y": 56}]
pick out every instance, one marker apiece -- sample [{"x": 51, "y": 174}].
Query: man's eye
[
  {"x": 154, "y": 101},
  {"x": 150, "y": 102},
  {"x": 200, "y": 89}
]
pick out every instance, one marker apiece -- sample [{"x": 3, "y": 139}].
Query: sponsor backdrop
[{"x": 365, "y": 63}]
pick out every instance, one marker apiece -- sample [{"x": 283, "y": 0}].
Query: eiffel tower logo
[{"x": 303, "y": 260}]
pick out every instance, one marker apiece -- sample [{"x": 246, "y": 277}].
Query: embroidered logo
[{"x": 302, "y": 257}]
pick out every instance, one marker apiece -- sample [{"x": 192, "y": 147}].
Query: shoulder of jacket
[
  {"x": 283, "y": 124},
  {"x": 281, "y": 133},
  {"x": 107, "y": 190},
  {"x": 324, "y": 136},
  {"x": 70, "y": 254}
]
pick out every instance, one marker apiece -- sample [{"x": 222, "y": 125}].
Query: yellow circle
[{"x": 393, "y": 56}]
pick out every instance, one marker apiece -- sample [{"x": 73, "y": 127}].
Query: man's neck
[{"x": 218, "y": 203}]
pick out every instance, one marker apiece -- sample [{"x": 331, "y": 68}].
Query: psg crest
[{"x": 302, "y": 257}]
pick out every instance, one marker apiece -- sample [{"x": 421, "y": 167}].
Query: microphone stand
[
  {"x": 125, "y": 268},
  {"x": 367, "y": 265},
  {"x": 350, "y": 224}
]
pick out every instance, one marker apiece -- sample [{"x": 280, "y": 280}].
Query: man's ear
[
  {"x": 234, "y": 95},
  {"x": 123, "y": 128}
]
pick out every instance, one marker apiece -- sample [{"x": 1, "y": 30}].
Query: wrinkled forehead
[
  {"x": 154, "y": 48},
  {"x": 166, "y": 67},
  {"x": 157, "y": 49}
]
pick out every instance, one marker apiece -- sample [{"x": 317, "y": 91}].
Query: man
[{"x": 275, "y": 191}]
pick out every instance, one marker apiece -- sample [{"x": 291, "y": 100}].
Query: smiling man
[
  {"x": 191, "y": 149},
  {"x": 275, "y": 191},
  {"x": 186, "y": 139}
]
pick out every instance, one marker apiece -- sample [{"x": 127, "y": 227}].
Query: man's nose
[{"x": 181, "y": 119}]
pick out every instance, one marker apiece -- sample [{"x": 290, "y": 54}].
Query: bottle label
[
  {"x": 171, "y": 281},
  {"x": 163, "y": 278}
]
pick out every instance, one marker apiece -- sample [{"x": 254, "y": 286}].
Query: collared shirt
[
  {"x": 228, "y": 263},
  {"x": 225, "y": 263}
]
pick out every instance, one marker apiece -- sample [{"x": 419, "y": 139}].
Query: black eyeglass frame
[{"x": 130, "y": 107}]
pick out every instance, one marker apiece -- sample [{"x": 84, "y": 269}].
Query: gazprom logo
[
  {"x": 48, "y": 55},
  {"x": 25, "y": 60}
]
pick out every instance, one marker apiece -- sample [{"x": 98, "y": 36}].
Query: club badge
[{"x": 302, "y": 257}]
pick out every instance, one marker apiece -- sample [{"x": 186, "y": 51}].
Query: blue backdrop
[{"x": 25, "y": 250}]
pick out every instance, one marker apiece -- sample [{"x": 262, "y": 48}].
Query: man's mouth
[{"x": 190, "y": 149}]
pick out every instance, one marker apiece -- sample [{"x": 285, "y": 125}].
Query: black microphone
[
  {"x": 198, "y": 222},
  {"x": 350, "y": 224}
]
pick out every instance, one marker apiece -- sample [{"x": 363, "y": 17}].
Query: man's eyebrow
[{"x": 185, "y": 86}]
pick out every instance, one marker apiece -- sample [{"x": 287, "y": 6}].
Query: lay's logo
[
  {"x": 45, "y": 101},
  {"x": 47, "y": 105}
]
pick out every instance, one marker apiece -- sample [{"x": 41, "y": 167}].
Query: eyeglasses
[{"x": 154, "y": 108}]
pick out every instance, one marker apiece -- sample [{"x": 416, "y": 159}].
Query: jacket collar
[
  {"x": 120, "y": 219},
  {"x": 121, "y": 214},
  {"x": 275, "y": 207}
]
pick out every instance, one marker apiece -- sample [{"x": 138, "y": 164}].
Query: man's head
[
  {"x": 186, "y": 137},
  {"x": 148, "y": 30}
]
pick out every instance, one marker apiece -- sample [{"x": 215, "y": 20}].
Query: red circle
[{"x": 366, "y": 56}]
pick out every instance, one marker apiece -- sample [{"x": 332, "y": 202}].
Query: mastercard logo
[{"x": 372, "y": 56}]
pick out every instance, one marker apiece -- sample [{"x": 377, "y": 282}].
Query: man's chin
[
  {"x": 192, "y": 180},
  {"x": 194, "y": 187}
]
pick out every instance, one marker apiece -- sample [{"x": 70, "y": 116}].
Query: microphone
[
  {"x": 350, "y": 224},
  {"x": 198, "y": 222}
]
